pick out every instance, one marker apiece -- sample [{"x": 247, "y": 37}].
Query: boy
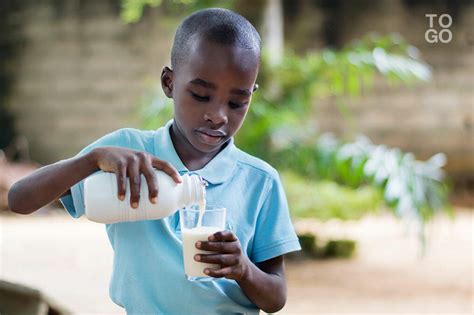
[{"x": 215, "y": 60}]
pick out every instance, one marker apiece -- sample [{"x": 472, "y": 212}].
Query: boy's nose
[{"x": 216, "y": 115}]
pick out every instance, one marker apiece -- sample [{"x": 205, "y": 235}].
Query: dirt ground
[{"x": 70, "y": 260}]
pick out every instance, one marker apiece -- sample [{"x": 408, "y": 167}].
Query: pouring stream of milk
[{"x": 202, "y": 208}]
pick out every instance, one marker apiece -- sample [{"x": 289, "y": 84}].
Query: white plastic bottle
[{"x": 102, "y": 204}]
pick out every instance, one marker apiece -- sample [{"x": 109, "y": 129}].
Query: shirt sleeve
[
  {"x": 274, "y": 233},
  {"x": 74, "y": 203}
]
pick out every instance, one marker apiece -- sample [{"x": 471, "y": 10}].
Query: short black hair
[{"x": 217, "y": 25}]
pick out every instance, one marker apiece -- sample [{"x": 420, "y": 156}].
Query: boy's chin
[{"x": 210, "y": 147}]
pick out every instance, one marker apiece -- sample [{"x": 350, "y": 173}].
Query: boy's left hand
[{"x": 234, "y": 264}]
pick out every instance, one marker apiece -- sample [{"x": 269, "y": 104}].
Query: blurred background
[{"x": 365, "y": 108}]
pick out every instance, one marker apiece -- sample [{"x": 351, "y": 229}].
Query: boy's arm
[
  {"x": 265, "y": 284},
  {"x": 49, "y": 182}
]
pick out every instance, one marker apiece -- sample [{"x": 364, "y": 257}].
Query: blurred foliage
[
  {"x": 413, "y": 189},
  {"x": 334, "y": 248},
  {"x": 281, "y": 108},
  {"x": 332, "y": 200},
  {"x": 339, "y": 249},
  {"x": 132, "y": 10},
  {"x": 281, "y": 130},
  {"x": 307, "y": 242}
]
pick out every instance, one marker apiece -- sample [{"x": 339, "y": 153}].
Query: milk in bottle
[{"x": 102, "y": 204}]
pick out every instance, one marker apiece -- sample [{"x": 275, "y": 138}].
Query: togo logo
[{"x": 432, "y": 35}]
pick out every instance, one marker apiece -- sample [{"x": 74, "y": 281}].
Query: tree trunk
[{"x": 273, "y": 30}]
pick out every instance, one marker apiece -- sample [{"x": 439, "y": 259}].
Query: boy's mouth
[{"x": 210, "y": 136}]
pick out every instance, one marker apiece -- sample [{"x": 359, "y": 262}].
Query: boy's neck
[{"x": 191, "y": 158}]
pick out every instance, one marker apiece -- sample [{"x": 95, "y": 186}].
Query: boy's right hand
[{"x": 130, "y": 163}]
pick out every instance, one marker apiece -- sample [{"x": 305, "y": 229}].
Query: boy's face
[{"x": 211, "y": 91}]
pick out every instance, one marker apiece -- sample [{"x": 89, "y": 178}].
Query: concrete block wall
[{"x": 82, "y": 73}]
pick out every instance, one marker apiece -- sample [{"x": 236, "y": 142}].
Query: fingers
[
  {"x": 134, "y": 178},
  {"x": 227, "y": 272},
  {"x": 152, "y": 182},
  {"x": 229, "y": 256},
  {"x": 224, "y": 247},
  {"x": 167, "y": 168},
  {"x": 223, "y": 236},
  {"x": 121, "y": 175},
  {"x": 223, "y": 260},
  {"x": 131, "y": 163}
]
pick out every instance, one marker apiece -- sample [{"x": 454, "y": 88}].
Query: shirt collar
[{"x": 216, "y": 171}]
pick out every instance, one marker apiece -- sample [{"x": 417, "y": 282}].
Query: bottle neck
[{"x": 195, "y": 189}]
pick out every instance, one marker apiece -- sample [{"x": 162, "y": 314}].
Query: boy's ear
[{"x": 167, "y": 81}]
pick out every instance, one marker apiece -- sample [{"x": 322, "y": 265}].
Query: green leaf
[{"x": 132, "y": 10}]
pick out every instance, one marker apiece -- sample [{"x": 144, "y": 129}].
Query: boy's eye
[
  {"x": 200, "y": 98},
  {"x": 235, "y": 105}
]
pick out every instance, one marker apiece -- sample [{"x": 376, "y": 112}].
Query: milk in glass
[
  {"x": 198, "y": 225},
  {"x": 192, "y": 267}
]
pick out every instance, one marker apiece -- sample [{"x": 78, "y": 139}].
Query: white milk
[
  {"x": 192, "y": 267},
  {"x": 202, "y": 208},
  {"x": 103, "y": 206}
]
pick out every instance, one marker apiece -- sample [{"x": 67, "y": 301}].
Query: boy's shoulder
[
  {"x": 129, "y": 137},
  {"x": 247, "y": 160},
  {"x": 130, "y": 134},
  {"x": 134, "y": 134}
]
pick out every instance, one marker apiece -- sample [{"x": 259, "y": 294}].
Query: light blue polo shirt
[{"x": 148, "y": 273}]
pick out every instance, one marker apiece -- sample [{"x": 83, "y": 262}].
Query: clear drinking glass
[{"x": 192, "y": 231}]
